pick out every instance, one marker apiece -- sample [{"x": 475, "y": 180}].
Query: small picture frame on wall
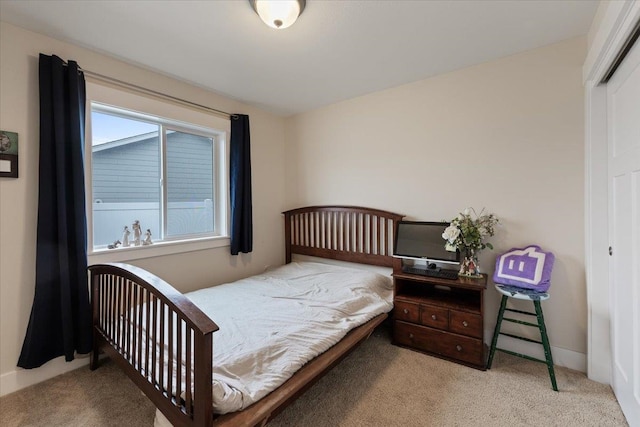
[{"x": 8, "y": 154}]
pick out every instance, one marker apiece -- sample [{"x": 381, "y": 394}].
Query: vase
[{"x": 469, "y": 265}]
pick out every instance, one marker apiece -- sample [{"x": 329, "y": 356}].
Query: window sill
[{"x": 98, "y": 256}]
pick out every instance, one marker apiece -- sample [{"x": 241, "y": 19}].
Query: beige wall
[
  {"x": 19, "y": 51},
  {"x": 506, "y": 135}
]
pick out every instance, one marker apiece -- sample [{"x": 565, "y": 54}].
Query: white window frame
[{"x": 168, "y": 116}]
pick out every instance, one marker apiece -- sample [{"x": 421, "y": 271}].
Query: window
[{"x": 168, "y": 175}]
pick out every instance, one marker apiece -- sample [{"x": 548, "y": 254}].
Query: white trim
[
  {"x": 166, "y": 247},
  {"x": 561, "y": 356},
  {"x": 617, "y": 23},
  {"x": 597, "y": 235},
  {"x": 22, "y": 378}
]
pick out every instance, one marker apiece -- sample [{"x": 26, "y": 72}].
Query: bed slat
[{"x": 346, "y": 233}]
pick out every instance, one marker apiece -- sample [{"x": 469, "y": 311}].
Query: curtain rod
[{"x": 155, "y": 93}]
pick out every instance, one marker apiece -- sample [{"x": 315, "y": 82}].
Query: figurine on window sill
[
  {"x": 147, "y": 238},
  {"x": 125, "y": 237},
  {"x": 137, "y": 232}
]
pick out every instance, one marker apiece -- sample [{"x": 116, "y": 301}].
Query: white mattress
[{"x": 273, "y": 323}]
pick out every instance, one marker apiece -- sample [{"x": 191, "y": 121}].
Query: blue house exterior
[{"x": 126, "y": 185}]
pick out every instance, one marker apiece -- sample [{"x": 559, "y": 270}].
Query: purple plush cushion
[{"x": 528, "y": 268}]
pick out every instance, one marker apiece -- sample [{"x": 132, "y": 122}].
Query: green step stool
[{"x": 507, "y": 292}]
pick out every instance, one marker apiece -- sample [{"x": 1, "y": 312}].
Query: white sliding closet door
[{"x": 623, "y": 104}]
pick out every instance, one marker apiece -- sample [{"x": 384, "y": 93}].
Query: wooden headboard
[{"x": 346, "y": 233}]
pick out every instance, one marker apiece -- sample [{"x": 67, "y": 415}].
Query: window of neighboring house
[{"x": 162, "y": 179}]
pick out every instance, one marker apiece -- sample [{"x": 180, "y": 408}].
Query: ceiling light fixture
[{"x": 278, "y": 14}]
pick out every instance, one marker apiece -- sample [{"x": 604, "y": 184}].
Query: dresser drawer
[
  {"x": 470, "y": 350},
  {"x": 418, "y": 337},
  {"x": 408, "y": 311},
  {"x": 436, "y": 317},
  {"x": 465, "y": 323},
  {"x": 454, "y": 346}
]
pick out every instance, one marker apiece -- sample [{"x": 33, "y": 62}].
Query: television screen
[{"x": 423, "y": 240}]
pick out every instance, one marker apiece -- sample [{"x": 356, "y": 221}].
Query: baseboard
[
  {"x": 22, "y": 378},
  {"x": 561, "y": 356}
]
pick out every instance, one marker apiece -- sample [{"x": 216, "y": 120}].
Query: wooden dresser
[{"x": 441, "y": 317}]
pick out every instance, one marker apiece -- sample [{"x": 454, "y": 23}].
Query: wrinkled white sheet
[{"x": 273, "y": 323}]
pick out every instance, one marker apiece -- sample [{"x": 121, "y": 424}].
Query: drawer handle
[
  {"x": 410, "y": 336},
  {"x": 459, "y": 347},
  {"x": 405, "y": 311},
  {"x": 464, "y": 323},
  {"x": 433, "y": 316}
]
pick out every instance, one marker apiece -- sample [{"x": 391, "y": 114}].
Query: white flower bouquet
[{"x": 466, "y": 234}]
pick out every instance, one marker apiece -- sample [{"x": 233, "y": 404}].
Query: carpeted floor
[{"x": 377, "y": 385}]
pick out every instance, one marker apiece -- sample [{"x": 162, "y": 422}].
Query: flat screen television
[{"x": 423, "y": 240}]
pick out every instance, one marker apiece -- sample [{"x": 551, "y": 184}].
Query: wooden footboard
[{"x": 159, "y": 338}]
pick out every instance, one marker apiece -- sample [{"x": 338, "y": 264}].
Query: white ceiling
[{"x": 337, "y": 50}]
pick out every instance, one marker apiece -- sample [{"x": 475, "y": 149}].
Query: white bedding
[{"x": 273, "y": 323}]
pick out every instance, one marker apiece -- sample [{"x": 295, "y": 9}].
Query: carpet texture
[{"x": 377, "y": 385}]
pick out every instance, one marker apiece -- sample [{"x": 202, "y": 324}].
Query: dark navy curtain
[
  {"x": 60, "y": 322},
  {"x": 240, "y": 171}
]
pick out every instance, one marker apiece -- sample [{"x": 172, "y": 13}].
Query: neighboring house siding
[
  {"x": 189, "y": 167},
  {"x": 127, "y": 173},
  {"x": 131, "y": 172}
]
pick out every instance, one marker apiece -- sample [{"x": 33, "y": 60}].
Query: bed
[{"x": 165, "y": 341}]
